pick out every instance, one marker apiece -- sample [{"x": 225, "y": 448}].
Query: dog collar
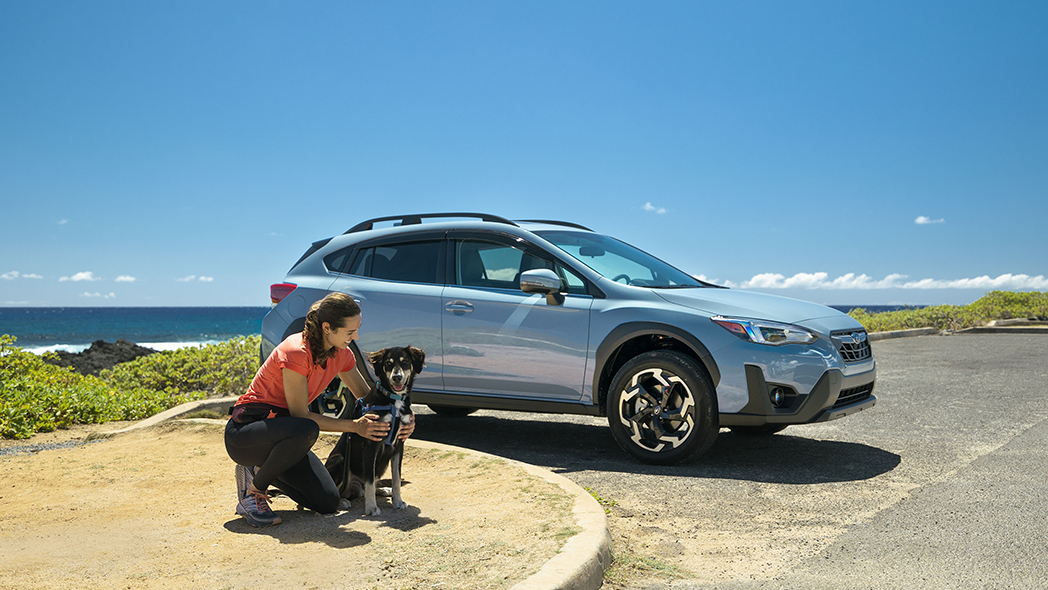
[{"x": 390, "y": 394}]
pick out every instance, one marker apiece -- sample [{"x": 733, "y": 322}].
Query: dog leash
[{"x": 391, "y": 408}]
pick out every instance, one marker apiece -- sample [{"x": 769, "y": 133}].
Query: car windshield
[{"x": 619, "y": 261}]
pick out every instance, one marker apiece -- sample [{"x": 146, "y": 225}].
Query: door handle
[{"x": 459, "y": 307}]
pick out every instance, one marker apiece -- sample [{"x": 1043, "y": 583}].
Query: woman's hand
[
  {"x": 406, "y": 430},
  {"x": 371, "y": 428}
]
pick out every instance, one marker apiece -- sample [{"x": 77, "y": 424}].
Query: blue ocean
[{"x": 73, "y": 329}]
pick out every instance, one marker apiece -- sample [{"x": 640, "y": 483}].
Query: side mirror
[{"x": 542, "y": 281}]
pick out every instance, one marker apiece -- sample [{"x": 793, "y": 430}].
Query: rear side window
[
  {"x": 336, "y": 261},
  {"x": 415, "y": 262}
]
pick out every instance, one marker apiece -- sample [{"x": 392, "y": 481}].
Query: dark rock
[{"x": 101, "y": 355}]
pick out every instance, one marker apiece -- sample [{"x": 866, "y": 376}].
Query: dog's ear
[
  {"x": 418, "y": 359},
  {"x": 375, "y": 358}
]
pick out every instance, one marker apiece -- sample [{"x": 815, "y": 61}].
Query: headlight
[{"x": 764, "y": 332}]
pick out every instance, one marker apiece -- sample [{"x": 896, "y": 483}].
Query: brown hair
[{"x": 333, "y": 309}]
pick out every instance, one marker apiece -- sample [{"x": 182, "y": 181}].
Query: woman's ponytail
[{"x": 333, "y": 309}]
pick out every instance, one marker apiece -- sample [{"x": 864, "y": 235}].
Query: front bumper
[{"x": 833, "y": 396}]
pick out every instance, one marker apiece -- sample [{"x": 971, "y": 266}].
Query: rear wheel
[
  {"x": 662, "y": 408},
  {"x": 453, "y": 411}
]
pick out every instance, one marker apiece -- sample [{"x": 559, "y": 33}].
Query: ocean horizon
[{"x": 73, "y": 329}]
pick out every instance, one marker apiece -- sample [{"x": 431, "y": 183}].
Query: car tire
[
  {"x": 662, "y": 408},
  {"x": 763, "y": 430},
  {"x": 452, "y": 411}
]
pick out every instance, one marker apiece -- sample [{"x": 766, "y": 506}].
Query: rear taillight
[{"x": 278, "y": 292}]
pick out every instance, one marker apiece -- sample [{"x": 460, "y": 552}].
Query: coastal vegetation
[
  {"x": 37, "y": 396},
  {"x": 995, "y": 305}
]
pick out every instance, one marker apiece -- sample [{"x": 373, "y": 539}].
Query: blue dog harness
[{"x": 391, "y": 409}]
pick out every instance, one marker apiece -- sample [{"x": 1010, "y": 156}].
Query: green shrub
[
  {"x": 213, "y": 370},
  {"x": 995, "y": 305},
  {"x": 36, "y": 396}
]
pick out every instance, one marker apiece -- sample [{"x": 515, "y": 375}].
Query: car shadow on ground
[{"x": 566, "y": 447}]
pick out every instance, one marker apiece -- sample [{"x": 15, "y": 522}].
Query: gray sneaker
[
  {"x": 254, "y": 507},
  {"x": 245, "y": 475}
]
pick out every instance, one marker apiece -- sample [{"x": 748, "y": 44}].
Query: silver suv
[{"x": 549, "y": 316}]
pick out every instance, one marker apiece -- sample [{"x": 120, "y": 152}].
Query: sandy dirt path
[{"x": 154, "y": 509}]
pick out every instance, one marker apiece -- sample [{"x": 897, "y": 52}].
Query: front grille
[
  {"x": 853, "y": 346},
  {"x": 856, "y": 394}
]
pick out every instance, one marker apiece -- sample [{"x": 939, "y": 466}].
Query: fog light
[{"x": 778, "y": 397}]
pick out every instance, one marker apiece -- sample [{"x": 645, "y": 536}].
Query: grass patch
[
  {"x": 604, "y": 502},
  {"x": 626, "y": 568},
  {"x": 995, "y": 305}
]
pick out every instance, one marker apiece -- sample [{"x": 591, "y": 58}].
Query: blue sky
[{"x": 186, "y": 153}]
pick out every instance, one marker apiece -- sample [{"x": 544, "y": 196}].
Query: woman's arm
[{"x": 297, "y": 394}]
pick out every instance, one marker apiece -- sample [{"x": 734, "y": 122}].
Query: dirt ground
[{"x": 154, "y": 508}]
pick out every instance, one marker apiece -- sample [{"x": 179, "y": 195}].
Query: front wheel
[{"x": 662, "y": 408}]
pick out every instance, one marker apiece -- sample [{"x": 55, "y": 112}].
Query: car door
[
  {"x": 399, "y": 284},
  {"x": 499, "y": 340}
]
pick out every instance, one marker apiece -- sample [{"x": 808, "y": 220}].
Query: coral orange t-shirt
[{"x": 268, "y": 384}]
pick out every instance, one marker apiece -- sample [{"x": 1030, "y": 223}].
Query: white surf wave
[{"x": 75, "y": 348}]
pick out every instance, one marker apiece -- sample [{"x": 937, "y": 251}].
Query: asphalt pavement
[{"x": 941, "y": 485}]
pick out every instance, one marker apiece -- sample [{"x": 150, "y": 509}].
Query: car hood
[{"x": 760, "y": 306}]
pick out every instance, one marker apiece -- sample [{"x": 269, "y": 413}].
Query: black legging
[{"x": 281, "y": 449}]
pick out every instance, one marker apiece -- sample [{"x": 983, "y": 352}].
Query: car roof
[
  {"x": 416, "y": 219},
  {"x": 406, "y": 225}
]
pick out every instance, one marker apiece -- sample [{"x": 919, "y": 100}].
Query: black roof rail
[
  {"x": 417, "y": 218},
  {"x": 552, "y": 222}
]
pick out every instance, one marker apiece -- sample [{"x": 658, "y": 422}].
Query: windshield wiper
[{"x": 675, "y": 286}]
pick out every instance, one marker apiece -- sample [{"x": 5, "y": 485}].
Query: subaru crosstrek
[{"x": 549, "y": 316}]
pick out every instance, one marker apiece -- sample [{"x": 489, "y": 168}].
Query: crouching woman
[{"x": 271, "y": 431}]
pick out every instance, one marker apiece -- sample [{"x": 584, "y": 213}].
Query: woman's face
[{"x": 341, "y": 337}]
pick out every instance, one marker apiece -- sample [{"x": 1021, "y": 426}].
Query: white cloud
[
  {"x": 94, "y": 295},
  {"x": 206, "y": 279},
  {"x": 125, "y": 279},
  {"x": 649, "y": 207},
  {"x": 821, "y": 280},
  {"x": 922, "y": 220},
  {"x": 81, "y": 276},
  {"x": 14, "y": 274},
  {"x": 186, "y": 279},
  {"x": 722, "y": 283},
  {"x": 192, "y": 278},
  {"x": 63, "y": 221}
]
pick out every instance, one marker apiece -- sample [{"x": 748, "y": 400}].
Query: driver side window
[
  {"x": 480, "y": 263},
  {"x": 491, "y": 265}
]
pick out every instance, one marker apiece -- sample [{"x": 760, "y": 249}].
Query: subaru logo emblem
[{"x": 859, "y": 336}]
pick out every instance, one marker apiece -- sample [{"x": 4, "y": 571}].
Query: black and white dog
[{"x": 356, "y": 463}]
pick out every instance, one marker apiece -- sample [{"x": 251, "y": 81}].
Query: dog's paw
[
  {"x": 384, "y": 492},
  {"x": 372, "y": 511},
  {"x": 400, "y": 505},
  {"x": 344, "y": 504}
]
